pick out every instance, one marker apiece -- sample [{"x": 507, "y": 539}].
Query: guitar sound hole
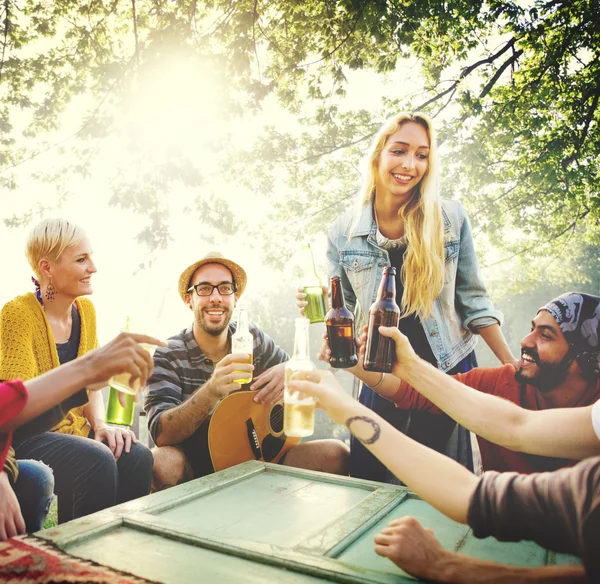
[{"x": 276, "y": 418}]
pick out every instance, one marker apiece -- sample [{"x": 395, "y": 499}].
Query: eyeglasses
[{"x": 204, "y": 289}]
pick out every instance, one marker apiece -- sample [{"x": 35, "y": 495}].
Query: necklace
[{"x": 384, "y": 242}]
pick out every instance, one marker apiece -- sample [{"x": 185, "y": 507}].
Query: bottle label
[{"x": 342, "y": 345}]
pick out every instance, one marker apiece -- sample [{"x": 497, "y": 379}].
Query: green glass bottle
[
  {"x": 315, "y": 311},
  {"x": 115, "y": 412}
]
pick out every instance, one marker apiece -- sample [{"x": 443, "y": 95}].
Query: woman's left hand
[{"x": 115, "y": 437}]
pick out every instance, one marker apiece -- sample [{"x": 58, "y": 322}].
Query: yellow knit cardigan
[{"x": 28, "y": 349}]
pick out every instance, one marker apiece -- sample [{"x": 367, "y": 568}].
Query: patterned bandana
[{"x": 578, "y": 317}]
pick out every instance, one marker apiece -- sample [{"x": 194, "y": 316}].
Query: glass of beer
[
  {"x": 315, "y": 309},
  {"x": 299, "y": 410},
  {"x": 121, "y": 381}
]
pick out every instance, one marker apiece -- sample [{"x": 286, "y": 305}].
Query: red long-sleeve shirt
[
  {"x": 13, "y": 397},
  {"x": 499, "y": 381}
]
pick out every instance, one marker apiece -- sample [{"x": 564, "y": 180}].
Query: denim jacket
[{"x": 463, "y": 299}]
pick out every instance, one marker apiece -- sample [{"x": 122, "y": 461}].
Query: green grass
[{"x": 52, "y": 519}]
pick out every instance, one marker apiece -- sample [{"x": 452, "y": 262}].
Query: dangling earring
[{"x": 50, "y": 292}]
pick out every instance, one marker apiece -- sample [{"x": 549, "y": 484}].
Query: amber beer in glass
[
  {"x": 298, "y": 411},
  {"x": 315, "y": 311},
  {"x": 115, "y": 412},
  {"x": 243, "y": 342},
  {"x": 379, "y": 352},
  {"x": 340, "y": 328}
]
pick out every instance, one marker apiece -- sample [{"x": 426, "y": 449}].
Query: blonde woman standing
[
  {"x": 400, "y": 220},
  {"x": 42, "y": 330}
]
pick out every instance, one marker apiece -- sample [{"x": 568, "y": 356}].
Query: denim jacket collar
[{"x": 368, "y": 226}]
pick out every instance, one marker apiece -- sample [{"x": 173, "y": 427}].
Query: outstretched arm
[
  {"x": 416, "y": 550},
  {"x": 121, "y": 355},
  {"x": 439, "y": 480},
  {"x": 561, "y": 432}
]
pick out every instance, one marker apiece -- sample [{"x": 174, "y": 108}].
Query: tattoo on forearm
[{"x": 374, "y": 425}]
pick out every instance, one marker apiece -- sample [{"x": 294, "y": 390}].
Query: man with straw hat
[{"x": 197, "y": 370}]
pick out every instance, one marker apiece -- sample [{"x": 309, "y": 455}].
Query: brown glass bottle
[
  {"x": 379, "y": 352},
  {"x": 340, "y": 329}
]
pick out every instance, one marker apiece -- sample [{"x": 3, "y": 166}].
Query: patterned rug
[{"x": 28, "y": 560}]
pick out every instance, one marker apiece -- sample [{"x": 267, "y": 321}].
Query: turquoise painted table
[{"x": 259, "y": 522}]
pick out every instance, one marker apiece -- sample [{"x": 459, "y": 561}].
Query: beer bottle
[
  {"x": 299, "y": 412},
  {"x": 315, "y": 311},
  {"x": 242, "y": 341},
  {"x": 115, "y": 412},
  {"x": 379, "y": 352},
  {"x": 340, "y": 328}
]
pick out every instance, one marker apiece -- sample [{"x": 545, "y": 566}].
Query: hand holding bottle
[
  {"x": 379, "y": 350},
  {"x": 301, "y": 296},
  {"x": 223, "y": 380},
  {"x": 340, "y": 329},
  {"x": 242, "y": 342},
  {"x": 124, "y": 354},
  {"x": 314, "y": 297}
]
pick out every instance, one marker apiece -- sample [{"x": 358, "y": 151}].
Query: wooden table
[{"x": 259, "y": 522}]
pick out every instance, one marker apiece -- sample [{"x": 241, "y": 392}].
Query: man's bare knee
[
  {"x": 170, "y": 468},
  {"x": 322, "y": 455}
]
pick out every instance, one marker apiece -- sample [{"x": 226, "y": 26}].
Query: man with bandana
[
  {"x": 560, "y": 510},
  {"x": 559, "y": 368}
]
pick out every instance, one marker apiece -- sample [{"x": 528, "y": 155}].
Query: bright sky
[
  {"x": 174, "y": 108},
  {"x": 178, "y": 106}
]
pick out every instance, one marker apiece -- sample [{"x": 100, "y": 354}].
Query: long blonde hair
[
  {"x": 49, "y": 239},
  {"x": 423, "y": 267}
]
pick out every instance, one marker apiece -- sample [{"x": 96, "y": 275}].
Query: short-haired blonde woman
[
  {"x": 38, "y": 332},
  {"x": 400, "y": 220}
]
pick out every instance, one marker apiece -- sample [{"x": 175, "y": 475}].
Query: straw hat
[{"x": 214, "y": 257}]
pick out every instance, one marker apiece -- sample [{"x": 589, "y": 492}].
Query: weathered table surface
[{"x": 259, "y": 522}]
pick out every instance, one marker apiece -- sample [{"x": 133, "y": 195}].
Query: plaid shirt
[{"x": 181, "y": 368}]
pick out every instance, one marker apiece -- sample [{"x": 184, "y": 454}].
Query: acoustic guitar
[{"x": 238, "y": 430}]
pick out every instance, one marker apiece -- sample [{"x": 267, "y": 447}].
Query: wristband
[{"x": 379, "y": 382}]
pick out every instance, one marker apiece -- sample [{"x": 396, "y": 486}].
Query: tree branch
[
  {"x": 467, "y": 71},
  {"x": 588, "y": 121},
  {"x": 5, "y": 41},
  {"x": 254, "y": 18},
  {"x": 334, "y": 149},
  {"x": 135, "y": 32},
  {"x": 536, "y": 245},
  {"x": 335, "y": 203},
  {"x": 336, "y": 48},
  {"x": 498, "y": 73}
]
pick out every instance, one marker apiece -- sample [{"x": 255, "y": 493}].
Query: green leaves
[{"x": 513, "y": 90}]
